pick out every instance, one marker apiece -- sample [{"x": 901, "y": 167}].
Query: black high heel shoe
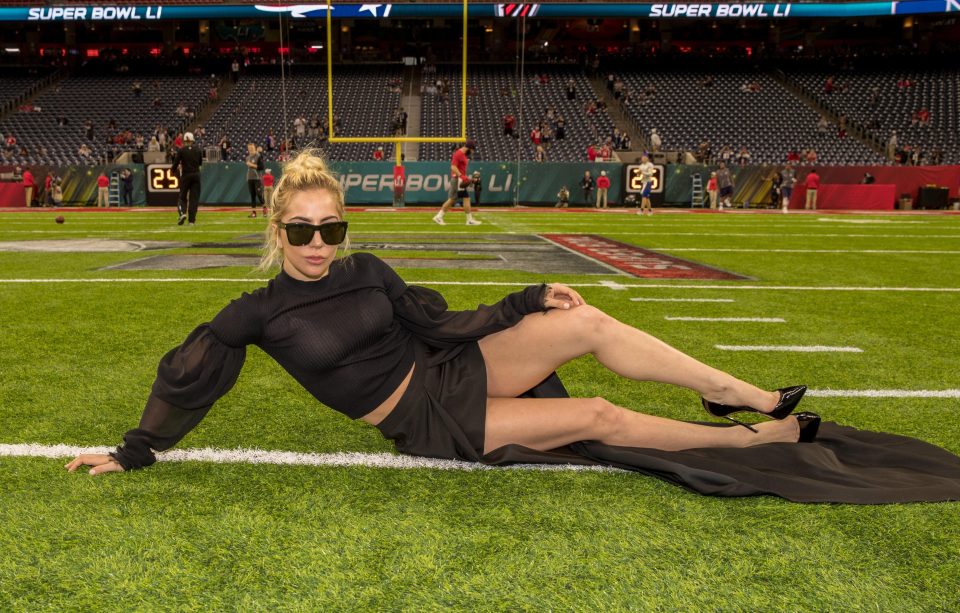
[
  {"x": 789, "y": 398},
  {"x": 809, "y": 424}
]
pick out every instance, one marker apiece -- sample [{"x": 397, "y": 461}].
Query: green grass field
[{"x": 77, "y": 359}]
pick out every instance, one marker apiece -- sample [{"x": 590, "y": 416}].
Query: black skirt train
[{"x": 442, "y": 415}]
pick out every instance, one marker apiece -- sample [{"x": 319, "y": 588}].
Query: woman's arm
[
  {"x": 424, "y": 312},
  {"x": 190, "y": 378}
]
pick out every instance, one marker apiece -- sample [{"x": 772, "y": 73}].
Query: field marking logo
[{"x": 638, "y": 262}]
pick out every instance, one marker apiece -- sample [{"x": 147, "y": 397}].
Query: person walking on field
[
  {"x": 603, "y": 184},
  {"x": 786, "y": 187},
  {"x": 126, "y": 187},
  {"x": 253, "y": 163},
  {"x": 813, "y": 184},
  {"x": 647, "y": 170},
  {"x": 459, "y": 183},
  {"x": 29, "y": 186},
  {"x": 186, "y": 165},
  {"x": 725, "y": 183},
  {"x": 586, "y": 184},
  {"x": 103, "y": 191}
]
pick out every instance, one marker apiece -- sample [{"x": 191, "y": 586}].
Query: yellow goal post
[{"x": 397, "y": 140}]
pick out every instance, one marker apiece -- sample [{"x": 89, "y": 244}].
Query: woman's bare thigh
[
  {"x": 542, "y": 423},
  {"x": 522, "y": 356}
]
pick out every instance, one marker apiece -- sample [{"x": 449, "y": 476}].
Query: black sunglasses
[{"x": 300, "y": 234}]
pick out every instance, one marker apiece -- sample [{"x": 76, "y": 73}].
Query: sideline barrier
[
  {"x": 12, "y": 194},
  {"x": 79, "y": 184},
  {"x": 371, "y": 183},
  {"x": 427, "y": 182},
  {"x": 752, "y": 183}
]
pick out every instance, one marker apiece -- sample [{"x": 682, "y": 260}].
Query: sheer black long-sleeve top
[{"x": 347, "y": 338}]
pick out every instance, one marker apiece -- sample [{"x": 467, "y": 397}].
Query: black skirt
[{"x": 442, "y": 414}]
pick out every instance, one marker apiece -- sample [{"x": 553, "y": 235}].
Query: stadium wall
[
  {"x": 427, "y": 182},
  {"x": 752, "y": 183}
]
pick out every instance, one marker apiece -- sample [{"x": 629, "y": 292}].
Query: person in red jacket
[
  {"x": 268, "y": 180},
  {"x": 813, "y": 184},
  {"x": 29, "y": 187},
  {"x": 712, "y": 190},
  {"x": 103, "y": 190},
  {"x": 509, "y": 124},
  {"x": 47, "y": 187},
  {"x": 592, "y": 153},
  {"x": 378, "y": 154},
  {"x": 459, "y": 182},
  {"x": 603, "y": 184}
]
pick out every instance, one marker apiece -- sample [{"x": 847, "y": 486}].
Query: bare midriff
[{"x": 377, "y": 415}]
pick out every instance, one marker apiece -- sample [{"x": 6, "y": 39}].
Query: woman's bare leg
[
  {"x": 520, "y": 357},
  {"x": 548, "y": 423}
]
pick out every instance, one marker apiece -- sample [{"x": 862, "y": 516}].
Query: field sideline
[{"x": 82, "y": 337}]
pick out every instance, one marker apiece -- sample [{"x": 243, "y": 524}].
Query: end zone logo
[
  {"x": 517, "y": 10},
  {"x": 636, "y": 261}
]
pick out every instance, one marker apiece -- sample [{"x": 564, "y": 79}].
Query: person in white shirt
[
  {"x": 655, "y": 141},
  {"x": 646, "y": 179}
]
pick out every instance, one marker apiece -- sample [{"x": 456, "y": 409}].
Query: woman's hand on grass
[{"x": 100, "y": 463}]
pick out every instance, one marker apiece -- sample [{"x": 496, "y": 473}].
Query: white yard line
[
  {"x": 781, "y": 234},
  {"x": 885, "y": 393},
  {"x": 796, "y": 348},
  {"x": 617, "y": 287},
  {"x": 287, "y": 458},
  {"x": 681, "y": 300},
  {"x": 453, "y": 229},
  {"x": 128, "y": 280},
  {"x": 853, "y": 251},
  {"x": 762, "y": 320},
  {"x": 603, "y": 284}
]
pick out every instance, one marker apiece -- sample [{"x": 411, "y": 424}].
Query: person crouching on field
[{"x": 477, "y": 183}]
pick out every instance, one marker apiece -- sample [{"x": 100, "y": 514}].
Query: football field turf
[{"x": 82, "y": 337}]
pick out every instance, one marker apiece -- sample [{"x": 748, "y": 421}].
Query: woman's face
[{"x": 311, "y": 261}]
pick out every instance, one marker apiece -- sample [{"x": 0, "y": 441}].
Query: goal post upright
[{"x": 398, "y": 140}]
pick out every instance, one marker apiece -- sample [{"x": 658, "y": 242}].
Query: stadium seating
[
  {"x": 498, "y": 92},
  {"x": 100, "y": 99},
  {"x": 12, "y": 88},
  {"x": 938, "y": 92},
  {"x": 769, "y": 122},
  {"x": 365, "y": 99}
]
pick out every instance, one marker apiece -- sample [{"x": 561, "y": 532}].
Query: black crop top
[{"x": 347, "y": 338}]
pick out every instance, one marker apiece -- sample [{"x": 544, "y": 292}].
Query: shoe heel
[
  {"x": 739, "y": 423},
  {"x": 809, "y": 426}
]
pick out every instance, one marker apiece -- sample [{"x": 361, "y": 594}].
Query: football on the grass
[{"x": 59, "y": 219}]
